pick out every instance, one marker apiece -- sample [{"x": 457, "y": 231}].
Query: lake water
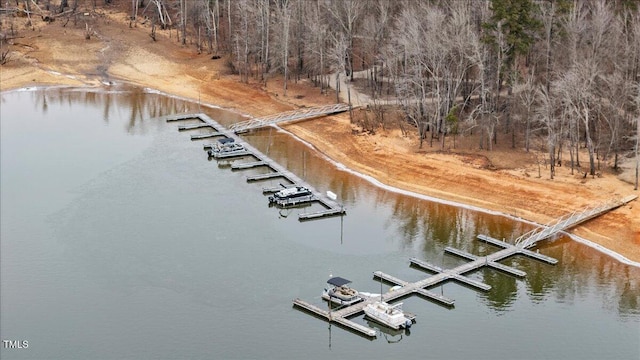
[{"x": 121, "y": 240}]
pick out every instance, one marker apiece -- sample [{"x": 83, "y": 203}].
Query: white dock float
[
  {"x": 340, "y": 320},
  {"x": 205, "y": 136},
  {"x": 437, "y": 297},
  {"x": 473, "y": 283},
  {"x": 492, "y": 241},
  {"x": 179, "y": 117},
  {"x": 508, "y": 269},
  {"x": 271, "y": 190},
  {"x": 355, "y": 326},
  {"x": 518, "y": 250},
  {"x": 266, "y": 176},
  {"x": 247, "y": 165},
  {"x": 389, "y": 278},
  {"x": 493, "y": 264},
  {"x": 425, "y": 265},
  {"x": 192, "y": 127},
  {"x": 426, "y": 293},
  {"x": 460, "y": 253},
  {"x": 321, "y": 213},
  {"x": 538, "y": 256}
]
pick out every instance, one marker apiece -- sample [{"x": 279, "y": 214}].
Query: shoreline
[
  {"x": 454, "y": 178},
  {"x": 341, "y": 167}
]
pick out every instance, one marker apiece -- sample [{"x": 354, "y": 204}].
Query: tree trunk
[
  {"x": 552, "y": 161},
  {"x": 183, "y": 21},
  {"x": 577, "y": 143},
  {"x": 571, "y": 156},
  {"x": 637, "y": 160},
  {"x": 338, "y": 87},
  {"x": 592, "y": 164}
]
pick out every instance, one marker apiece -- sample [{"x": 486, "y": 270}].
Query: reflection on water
[
  {"x": 391, "y": 336},
  {"x": 125, "y": 234},
  {"x": 125, "y": 102}
]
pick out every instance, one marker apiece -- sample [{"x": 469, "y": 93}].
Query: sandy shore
[{"x": 504, "y": 181}]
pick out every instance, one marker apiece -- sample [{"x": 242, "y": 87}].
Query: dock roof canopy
[{"x": 338, "y": 281}]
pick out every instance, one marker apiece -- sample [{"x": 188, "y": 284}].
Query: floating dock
[
  {"x": 247, "y": 165},
  {"x": 206, "y": 136},
  {"x": 441, "y": 275},
  {"x": 332, "y": 208},
  {"x": 192, "y": 127}
]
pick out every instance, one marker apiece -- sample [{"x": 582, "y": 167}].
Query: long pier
[
  {"x": 332, "y": 208},
  {"x": 440, "y": 275}
]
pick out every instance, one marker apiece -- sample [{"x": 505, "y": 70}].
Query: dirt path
[{"x": 57, "y": 55}]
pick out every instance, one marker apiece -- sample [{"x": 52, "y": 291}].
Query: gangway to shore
[
  {"x": 341, "y": 316},
  {"x": 566, "y": 222},
  {"x": 293, "y": 115}
]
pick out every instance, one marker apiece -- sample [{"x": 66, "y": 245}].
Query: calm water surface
[{"x": 120, "y": 240}]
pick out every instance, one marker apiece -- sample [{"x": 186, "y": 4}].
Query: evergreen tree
[{"x": 516, "y": 21}]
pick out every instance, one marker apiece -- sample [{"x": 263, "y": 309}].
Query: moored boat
[
  {"x": 389, "y": 315},
  {"x": 339, "y": 292},
  {"x": 226, "y": 147},
  {"x": 292, "y": 196}
]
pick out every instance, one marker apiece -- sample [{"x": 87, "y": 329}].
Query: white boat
[
  {"x": 226, "y": 147},
  {"x": 292, "y": 196},
  {"x": 388, "y": 315},
  {"x": 339, "y": 292}
]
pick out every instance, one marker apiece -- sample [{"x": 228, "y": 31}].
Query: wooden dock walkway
[
  {"x": 192, "y": 127},
  {"x": 441, "y": 275},
  {"x": 247, "y": 165},
  {"x": 332, "y": 208},
  {"x": 206, "y": 136}
]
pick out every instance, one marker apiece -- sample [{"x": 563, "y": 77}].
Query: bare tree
[
  {"x": 480, "y": 57},
  {"x": 283, "y": 16},
  {"x": 346, "y": 14},
  {"x": 264, "y": 26},
  {"x": 338, "y": 49},
  {"x": 635, "y": 120},
  {"x": 242, "y": 39},
  {"x": 412, "y": 83},
  {"x": 588, "y": 72},
  {"x": 315, "y": 36},
  {"x": 546, "y": 116},
  {"x": 527, "y": 96},
  {"x": 376, "y": 29}
]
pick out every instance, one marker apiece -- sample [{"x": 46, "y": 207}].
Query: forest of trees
[{"x": 565, "y": 73}]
